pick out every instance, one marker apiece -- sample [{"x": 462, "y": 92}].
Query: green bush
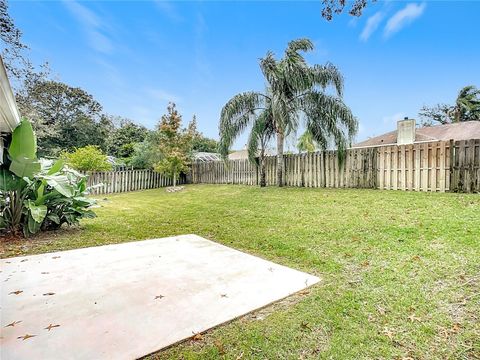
[
  {"x": 38, "y": 194},
  {"x": 88, "y": 158}
]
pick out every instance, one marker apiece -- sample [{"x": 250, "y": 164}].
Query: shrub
[
  {"x": 88, "y": 158},
  {"x": 38, "y": 194}
]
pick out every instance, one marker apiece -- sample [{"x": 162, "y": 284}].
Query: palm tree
[
  {"x": 296, "y": 92},
  {"x": 261, "y": 134},
  {"x": 467, "y": 105}
]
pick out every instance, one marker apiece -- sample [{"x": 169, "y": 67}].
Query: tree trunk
[
  {"x": 174, "y": 179},
  {"x": 280, "y": 168},
  {"x": 263, "y": 181}
]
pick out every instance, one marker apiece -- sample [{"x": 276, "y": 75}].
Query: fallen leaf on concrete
[
  {"x": 159, "y": 297},
  {"x": 50, "y": 327},
  {"x": 25, "y": 337},
  {"x": 16, "y": 292},
  {"x": 13, "y": 323},
  {"x": 56, "y": 257},
  {"x": 49, "y": 294}
]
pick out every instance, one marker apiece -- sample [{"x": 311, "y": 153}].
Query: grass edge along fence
[
  {"x": 108, "y": 182},
  {"x": 427, "y": 166}
]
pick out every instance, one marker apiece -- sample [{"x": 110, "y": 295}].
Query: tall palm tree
[
  {"x": 261, "y": 134},
  {"x": 296, "y": 93},
  {"x": 467, "y": 105}
]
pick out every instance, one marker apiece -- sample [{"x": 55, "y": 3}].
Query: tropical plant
[
  {"x": 38, "y": 194},
  {"x": 306, "y": 142},
  {"x": 88, "y": 158},
  {"x": 466, "y": 108},
  {"x": 296, "y": 92},
  {"x": 467, "y": 104},
  {"x": 260, "y": 135}
]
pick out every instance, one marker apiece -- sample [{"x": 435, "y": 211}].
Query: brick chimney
[{"x": 406, "y": 131}]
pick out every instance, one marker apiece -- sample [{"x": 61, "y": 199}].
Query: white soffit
[{"x": 9, "y": 115}]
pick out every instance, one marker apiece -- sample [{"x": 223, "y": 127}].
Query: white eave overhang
[{"x": 9, "y": 115}]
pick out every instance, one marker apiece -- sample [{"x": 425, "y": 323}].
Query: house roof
[
  {"x": 9, "y": 115},
  {"x": 243, "y": 154},
  {"x": 457, "y": 131}
]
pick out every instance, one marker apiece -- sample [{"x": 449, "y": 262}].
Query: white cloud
[
  {"x": 95, "y": 28},
  {"x": 162, "y": 95},
  {"x": 372, "y": 24},
  {"x": 403, "y": 17}
]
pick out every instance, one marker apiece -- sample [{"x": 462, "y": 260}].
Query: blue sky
[{"x": 135, "y": 56}]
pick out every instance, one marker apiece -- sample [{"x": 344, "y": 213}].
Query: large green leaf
[
  {"x": 82, "y": 201},
  {"x": 38, "y": 212},
  {"x": 61, "y": 184},
  {"x": 24, "y": 167},
  {"x": 9, "y": 181},
  {"x": 56, "y": 167},
  {"x": 23, "y": 151},
  {"x": 24, "y": 143},
  {"x": 54, "y": 217},
  {"x": 32, "y": 226}
]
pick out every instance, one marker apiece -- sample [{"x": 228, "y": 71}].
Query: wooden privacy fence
[
  {"x": 107, "y": 182},
  {"x": 420, "y": 167},
  {"x": 465, "y": 175}
]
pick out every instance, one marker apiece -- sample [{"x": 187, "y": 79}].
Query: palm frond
[
  {"x": 236, "y": 115},
  {"x": 326, "y": 75}
]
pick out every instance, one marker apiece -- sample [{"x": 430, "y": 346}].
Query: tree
[
  {"x": 201, "y": 143},
  {"x": 296, "y": 92},
  {"x": 12, "y": 48},
  {"x": 467, "y": 104},
  {"x": 88, "y": 158},
  {"x": 331, "y": 7},
  {"x": 261, "y": 134},
  {"x": 175, "y": 144},
  {"x": 466, "y": 108},
  {"x": 64, "y": 117},
  {"x": 122, "y": 140}
]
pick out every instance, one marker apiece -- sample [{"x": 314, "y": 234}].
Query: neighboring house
[
  {"x": 408, "y": 133},
  {"x": 9, "y": 115},
  {"x": 243, "y": 154}
]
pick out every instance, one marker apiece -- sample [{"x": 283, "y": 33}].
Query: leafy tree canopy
[
  {"x": 201, "y": 143},
  {"x": 64, "y": 117},
  {"x": 88, "y": 158},
  {"x": 122, "y": 140},
  {"x": 11, "y": 45},
  {"x": 336, "y": 7}
]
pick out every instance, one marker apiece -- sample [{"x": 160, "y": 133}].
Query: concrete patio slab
[{"x": 128, "y": 300}]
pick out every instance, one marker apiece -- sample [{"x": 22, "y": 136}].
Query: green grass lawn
[{"x": 400, "y": 270}]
